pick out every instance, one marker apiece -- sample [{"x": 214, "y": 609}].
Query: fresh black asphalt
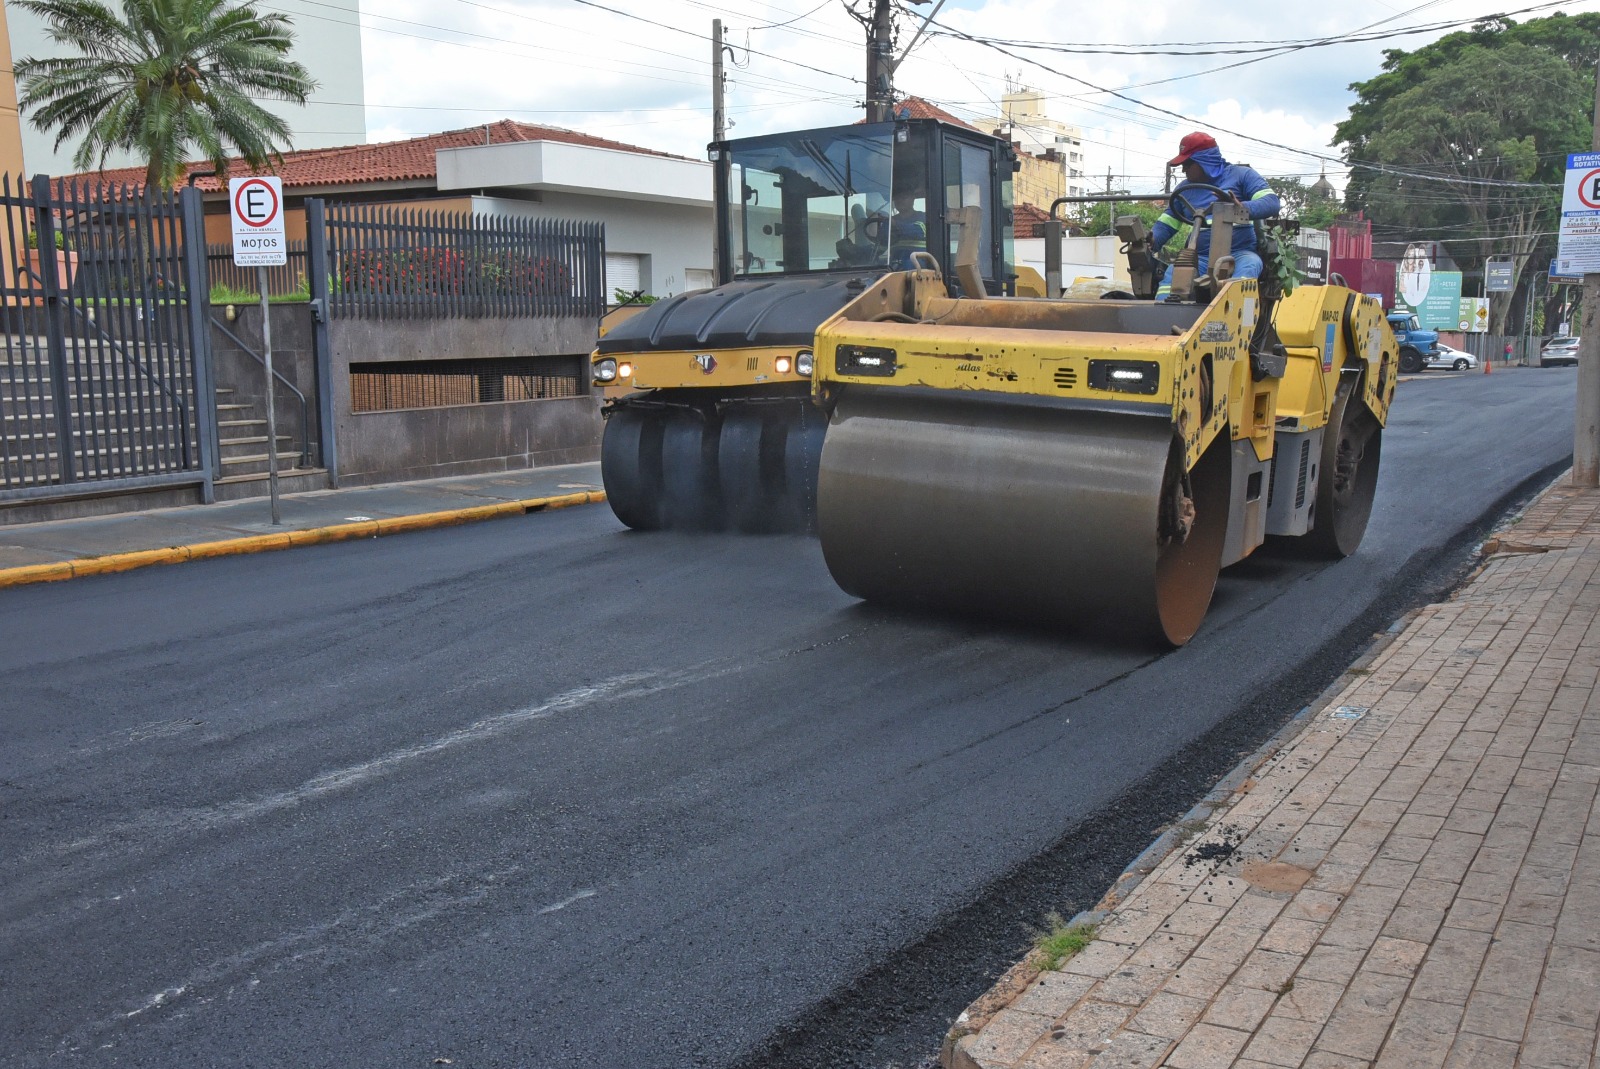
[{"x": 544, "y": 792}]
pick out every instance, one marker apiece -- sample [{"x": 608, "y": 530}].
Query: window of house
[{"x": 623, "y": 272}]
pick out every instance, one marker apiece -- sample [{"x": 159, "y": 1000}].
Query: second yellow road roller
[
  {"x": 712, "y": 423},
  {"x": 1095, "y": 462}
]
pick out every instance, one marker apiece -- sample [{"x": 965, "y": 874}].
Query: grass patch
[
  {"x": 1062, "y": 941},
  {"x": 222, "y": 293}
]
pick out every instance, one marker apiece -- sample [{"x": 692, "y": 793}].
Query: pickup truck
[{"x": 1417, "y": 346}]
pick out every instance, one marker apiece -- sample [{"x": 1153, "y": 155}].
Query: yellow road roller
[
  {"x": 1095, "y": 462},
  {"x": 709, "y": 420}
]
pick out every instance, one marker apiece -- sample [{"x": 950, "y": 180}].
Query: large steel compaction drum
[{"x": 1019, "y": 509}]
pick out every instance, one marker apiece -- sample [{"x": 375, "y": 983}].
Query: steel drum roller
[{"x": 1018, "y": 509}]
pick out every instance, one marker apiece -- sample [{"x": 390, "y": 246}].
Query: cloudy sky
[{"x": 639, "y": 70}]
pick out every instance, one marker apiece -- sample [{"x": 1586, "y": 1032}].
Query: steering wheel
[
  {"x": 1195, "y": 187},
  {"x": 875, "y": 229}
]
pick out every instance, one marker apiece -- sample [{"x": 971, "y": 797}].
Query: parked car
[
  {"x": 1452, "y": 358},
  {"x": 1559, "y": 352}
]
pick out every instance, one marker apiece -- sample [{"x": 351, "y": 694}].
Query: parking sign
[
  {"x": 255, "y": 206},
  {"x": 1578, "y": 243}
]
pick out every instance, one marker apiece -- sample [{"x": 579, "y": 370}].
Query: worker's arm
[
  {"x": 1259, "y": 199},
  {"x": 1167, "y": 225}
]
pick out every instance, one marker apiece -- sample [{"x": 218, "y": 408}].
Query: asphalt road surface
[{"x": 543, "y": 792}]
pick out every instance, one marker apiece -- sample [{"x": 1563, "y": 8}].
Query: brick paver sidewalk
[{"x": 1412, "y": 880}]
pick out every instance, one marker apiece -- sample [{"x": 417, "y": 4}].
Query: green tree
[
  {"x": 1304, "y": 204},
  {"x": 1465, "y": 139},
  {"x": 165, "y": 79},
  {"x": 1094, "y": 220}
]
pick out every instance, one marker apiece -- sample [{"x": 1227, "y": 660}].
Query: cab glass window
[{"x": 810, "y": 202}]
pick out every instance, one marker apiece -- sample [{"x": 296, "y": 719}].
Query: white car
[
  {"x": 1558, "y": 352},
  {"x": 1451, "y": 358}
]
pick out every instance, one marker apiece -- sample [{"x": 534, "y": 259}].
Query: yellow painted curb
[
  {"x": 37, "y": 573},
  {"x": 231, "y": 546},
  {"x": 342, "y": 532},
  {"x": 123, "y": 562}
]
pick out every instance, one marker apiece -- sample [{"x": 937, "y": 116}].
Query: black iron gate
[{"x": 100, "y": 385}]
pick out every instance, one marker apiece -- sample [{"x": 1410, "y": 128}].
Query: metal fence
[
  {"x": 98, "y": 382},
  {"x": 392, "y": 263},
  {"x": 286, "y": 279}
]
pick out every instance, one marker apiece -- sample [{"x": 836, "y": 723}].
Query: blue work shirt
[{"x": 1243, "y": 182}]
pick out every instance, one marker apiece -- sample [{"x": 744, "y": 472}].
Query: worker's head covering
[{"x": 1202, "y": 149}]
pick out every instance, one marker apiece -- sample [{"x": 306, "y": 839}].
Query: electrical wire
[{"x": 1383, "y": 168}]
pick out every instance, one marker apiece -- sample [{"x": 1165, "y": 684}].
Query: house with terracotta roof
[{"x": 656, "y": 207}]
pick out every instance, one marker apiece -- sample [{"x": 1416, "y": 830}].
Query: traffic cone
[{"x": 1488, "y": 364}]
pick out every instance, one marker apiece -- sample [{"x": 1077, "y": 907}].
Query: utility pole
[
  {"x": 1111, "y": 208},
  {"x": 719, "y": 158},
  {"x": 719, "y": 123},
  {"x": 880, "y": 63},
  {"x": 1586, "y": 418}
]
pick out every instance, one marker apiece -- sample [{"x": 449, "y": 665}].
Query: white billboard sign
[{"x": 1578, "y": 243}]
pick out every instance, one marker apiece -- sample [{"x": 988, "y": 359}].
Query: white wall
[
  {"x": 672, "y": 239},
  {"x": 1080, "y": 257},
  {"x": 327, "y": 40},
  {"x": 655, "y": 207}
]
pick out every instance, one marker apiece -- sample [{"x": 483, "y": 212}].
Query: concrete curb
[{"x": 342, "y": 532}]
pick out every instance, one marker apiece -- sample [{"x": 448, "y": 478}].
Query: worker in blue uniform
[
  {"x": 908, "y": 228},
  {"x": 1202, "y": 162}
]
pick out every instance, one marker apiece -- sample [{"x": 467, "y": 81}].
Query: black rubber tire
[
  {"x": 1460, "y": 364},
  {"x": 689, "y": 492},
  {"x": 630, "y": 467},
  {"x": 802, "y": 456},
  {"x": 1410, "y": 361},
  {"x": 1347, "y": 476},
  {"x": 747, "y": 471}
]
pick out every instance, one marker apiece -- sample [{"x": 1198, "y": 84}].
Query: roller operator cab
[
  {"x": 718, "y": 428},
  {"x": 1095, "y": 462}
]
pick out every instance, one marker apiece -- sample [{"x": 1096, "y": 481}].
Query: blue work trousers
[{"x": 1246, "y": 264}]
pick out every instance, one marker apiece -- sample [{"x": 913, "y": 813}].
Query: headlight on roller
[
  {"x": 605, "y": 370},
  {"x": 803, "y": 361},
  {"x": 1125, "y": 376}
]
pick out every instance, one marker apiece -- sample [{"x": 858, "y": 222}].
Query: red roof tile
[
  {"x": 387, "y": 161},
  {"x": 917, "y": 108},
  {"x": 1026, "y": 219}
]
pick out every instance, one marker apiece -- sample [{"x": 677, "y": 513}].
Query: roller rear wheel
[
  {"x": 802, "y": 457},
  {"x": 689, "y": 471},
  {"x": 630, "y": 467},
  {"x": 747, "y": 467},
  {"x": 1347, "y": 480}
]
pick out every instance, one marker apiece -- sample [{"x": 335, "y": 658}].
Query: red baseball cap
[{"x": 1192, "y": 143}]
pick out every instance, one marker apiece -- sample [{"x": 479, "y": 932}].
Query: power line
[{"x": 1383, "y": 168}]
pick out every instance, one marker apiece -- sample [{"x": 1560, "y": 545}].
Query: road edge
[{"x": 56, "y": 571}]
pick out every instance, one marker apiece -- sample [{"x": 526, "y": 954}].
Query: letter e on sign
[{"x": 255, "y": 207}]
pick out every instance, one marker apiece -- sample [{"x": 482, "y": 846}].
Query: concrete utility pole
[
  {"x": 719, "y": 120},
  {"x": 1586, "y": 418},
  {"x": 720, "y": 162},
  {"x": 880, "y": 63}
]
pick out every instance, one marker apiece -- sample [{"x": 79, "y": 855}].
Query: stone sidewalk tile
[{"x": 1409, "y": 880}]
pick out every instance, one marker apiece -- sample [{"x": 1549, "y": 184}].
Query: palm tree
[{"x": 166, "y": 78}]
